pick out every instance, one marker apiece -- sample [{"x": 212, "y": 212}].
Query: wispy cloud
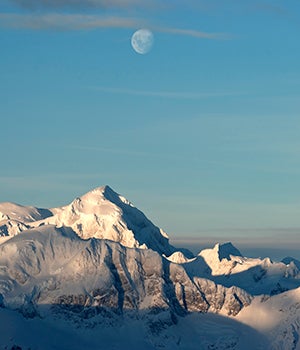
[
  {"x": 165, "y": 94},
  {"x": 193, "y": 33},
  {"x": 72, "y": 21},
  {"x": 62, "y": 4},
  {"x": 64, "y": 21}
]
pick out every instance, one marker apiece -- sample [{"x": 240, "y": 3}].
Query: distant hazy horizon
[{"x": 256, "y": 247}]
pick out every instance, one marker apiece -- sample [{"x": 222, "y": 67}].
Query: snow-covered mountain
[
  {"x": 15, "y": 218},
  {"x": 53, "y": 266},
  {"x": 101, "y": 213},
  {"x": 100, "y": 264},
  {"x": 225, "y": 265}
]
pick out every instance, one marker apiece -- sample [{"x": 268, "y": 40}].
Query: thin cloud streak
[
  {"x": 164, "y": 94},
  {"x": 69, "y": 22},
  {"x": 85, "y": 4},
  {"x": 64, "y": 21},
  {"x": 194, "y": 33}
]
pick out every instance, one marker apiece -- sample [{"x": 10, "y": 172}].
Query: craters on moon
[{"x": 142, "y": 41}]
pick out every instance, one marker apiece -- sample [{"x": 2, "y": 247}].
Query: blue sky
[{"x": 202, "y": 133}]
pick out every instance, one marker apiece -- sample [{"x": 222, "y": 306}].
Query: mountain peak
[
  {"x": 219, "y": 255},
  {"x": 99, "y": 194},
  {"x": 225, "y": 250},
  {"x": 103, "y": 190},
  {"x": 103, "y": 213}
]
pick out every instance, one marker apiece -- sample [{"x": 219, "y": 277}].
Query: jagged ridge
[{"x": 52, "y": 266}]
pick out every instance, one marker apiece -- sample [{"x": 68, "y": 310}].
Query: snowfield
[{"x": 98, "y": 274}]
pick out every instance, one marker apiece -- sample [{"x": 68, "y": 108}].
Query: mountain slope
[
  {"x": 15, "y": 218},
  {"x": 277, "y": 317},
  {"x": 196, "y": 331},
  {"x": 224, "y": 265},
  {"x": 99, "y": 265},
  {"x": 54, "y": 267},
  {"x": 12, "y": 211},
  {"x": 100, "y": 213}
]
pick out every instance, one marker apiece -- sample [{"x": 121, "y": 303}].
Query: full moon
[{"x": 142, "y": 41}]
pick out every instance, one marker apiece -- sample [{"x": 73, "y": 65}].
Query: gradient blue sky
[{"x": 202, "y": 133}]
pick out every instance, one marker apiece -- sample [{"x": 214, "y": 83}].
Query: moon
[{"x": 142, "y": 41}]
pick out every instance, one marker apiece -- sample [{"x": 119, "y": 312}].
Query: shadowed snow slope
[
  {"x": 194, "y": 332},
  {"x": 257, "y": 276},
  {"x": 53, "y": 266},
  {"x": 278, "y": 317}
]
